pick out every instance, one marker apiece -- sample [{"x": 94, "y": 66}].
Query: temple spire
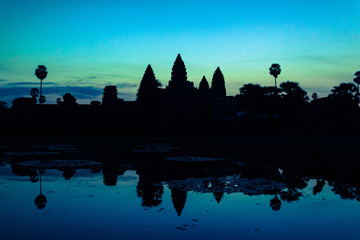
[
  {"x": 204, "y": 87},
  {"x": 148, "y": 85},
  {"x": 178, "y": 74},
  {"x": 218, "y": 84}
]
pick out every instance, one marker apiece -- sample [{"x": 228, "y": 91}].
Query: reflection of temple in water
[
  {"x": 283, "y": 185},
  {"x": 218, "y": 188},
  {"x": 178, "y": 198}
]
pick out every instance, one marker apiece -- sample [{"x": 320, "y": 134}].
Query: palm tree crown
[
  {"x": 41, "y": 72},
  {"x": 275, "y": 71}
]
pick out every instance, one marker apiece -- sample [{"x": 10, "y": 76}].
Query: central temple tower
[{"x": 179, "y": 85}]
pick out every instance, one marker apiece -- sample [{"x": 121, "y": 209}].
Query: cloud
[
  {"x": 122, "y": 76},
  {"x": 322, "y": 59},
  {"x": 126, "y": 85},
  {"x": 106, "y": 76},
  {"x": 5, "y": 92},
  {"x": 86, "y": 78},
  {"x": 80, "y": 92},
  {"x": 331, "y": 60},
  {"x": 28, "y": 83},
  {"x": 100, "y": 82}
]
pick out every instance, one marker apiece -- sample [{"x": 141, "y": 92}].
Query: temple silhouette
[
  {"x": 182, "y": 107},
  {"x": 178, "y": 106}
]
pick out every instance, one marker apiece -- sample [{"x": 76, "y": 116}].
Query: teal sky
[{"x": 89, "y": 44}]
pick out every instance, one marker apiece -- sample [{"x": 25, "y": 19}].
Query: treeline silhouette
[{"x": 181, "y": 107}]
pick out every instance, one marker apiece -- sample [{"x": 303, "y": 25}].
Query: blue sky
[{"x": 89, "y": 44}]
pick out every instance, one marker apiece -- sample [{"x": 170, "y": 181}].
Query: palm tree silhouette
[
  {"x": 41, "y": 74},
  {"x": 275, "y": 71},
  {"x": 34, "y": 93}
]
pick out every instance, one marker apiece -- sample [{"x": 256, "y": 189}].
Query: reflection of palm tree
[
  {"x": 275, "y": 71},
  {"x": 275, "y": 203},
  {"x": 40, "y": 200},
  {"x": 41, "y": 74}
]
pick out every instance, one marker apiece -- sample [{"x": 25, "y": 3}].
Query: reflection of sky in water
[{"x": 84, "y": 208}]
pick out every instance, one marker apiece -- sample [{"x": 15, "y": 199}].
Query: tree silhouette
[
  {"x": 275, "y": 71},
  {"x": 290, "y": 194},
  {"x": 251, "y": 90},
  {"x": 150, "y": 193},
  {"x": 293, "y": 91},
  {"x": 344, "y": 98},
  {"x": 69, "y": 99},
  {"x": 218, "y": 84},
  {"x": 357, "y": 80},
  {"x": 95, "y": 103},
  {"x": 344, "y": 90},
  {"x": 256, "y": 99},
  {"x": 34, "y": 93},
  {"x": 314, "y": 96},
  {"x": 149, "y": 86},
  {"x": 204, "y": 87},
  {"x": 41, "y": 74}
]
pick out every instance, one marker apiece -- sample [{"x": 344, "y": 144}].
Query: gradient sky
[{"x": 89, "y": 44}]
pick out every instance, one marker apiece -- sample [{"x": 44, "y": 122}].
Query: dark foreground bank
[{"x": 334, "y": 153}]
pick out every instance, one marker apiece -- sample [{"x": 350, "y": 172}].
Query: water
[{"x": 91, "y": 199}]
